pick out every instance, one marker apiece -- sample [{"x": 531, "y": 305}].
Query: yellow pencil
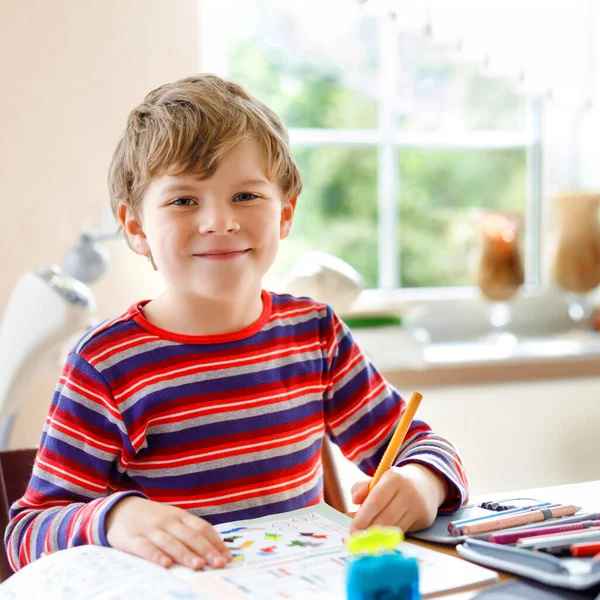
[{"x": 394, "y": 446}]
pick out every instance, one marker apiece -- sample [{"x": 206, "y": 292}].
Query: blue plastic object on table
[{"x": 385, "y": 576}]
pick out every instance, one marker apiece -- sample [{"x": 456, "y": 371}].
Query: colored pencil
[
  {"x": 534, "y": 516},
  {"x": 512, "y": 511},
  {"x": 394, "y": 446},
  {"x": 579, "y": 550},
  {"x": 560, "y": 551},
  {"x": 513, "y": 536},
  {"x": 455, "y": 528},
  {"x": 560, "y": 539},
  {"x": 586, "y": 549}
]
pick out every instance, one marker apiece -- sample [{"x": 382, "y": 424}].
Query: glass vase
[
  {"x": 576, "y": 263},
  {"x": 500, "y": 270}
]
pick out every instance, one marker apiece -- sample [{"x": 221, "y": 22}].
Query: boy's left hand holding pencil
[{"x": 407, "y": 496}]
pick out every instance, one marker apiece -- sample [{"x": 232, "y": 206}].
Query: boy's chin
[{"x": 227, "y": 292}]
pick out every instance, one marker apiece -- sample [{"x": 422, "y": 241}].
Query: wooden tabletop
[{"x": 586, "y": 495}]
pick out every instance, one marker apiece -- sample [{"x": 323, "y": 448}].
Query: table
[{"x": 586, "y": 495}]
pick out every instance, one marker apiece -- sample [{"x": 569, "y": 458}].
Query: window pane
[
  {"x": 438, "y": 94},
  {"x": 314, "y": 63},
  {"x": 440, "y": 193},
  {"x": 337, "y": 210}
]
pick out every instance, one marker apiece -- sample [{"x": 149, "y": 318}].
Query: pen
[
  {"x": 513, "y": 536},
  {"x": 397, "y": 439},
  {"x": 520, "y": 519}
]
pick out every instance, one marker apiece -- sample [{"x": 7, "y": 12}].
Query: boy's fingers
[
  {"x": 177, "y": 550},
  {"x": 141, "y": 546},
  {"x": 375, "y": 502},
  {"x": 396, "y": 513},
  {"x": 198, "y": 543},
  {"x": 360, "y": 491},
  {"x": 362, "y": 519},
  {"x": 206, "y": 530}
]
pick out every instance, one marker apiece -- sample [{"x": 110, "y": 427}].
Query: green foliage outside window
[
  {"x": 439, "y": 190},
  {"x": 442, "y": 194},
  {"x": 310, "y": 95},
  {"x": 337, "y": 210}
]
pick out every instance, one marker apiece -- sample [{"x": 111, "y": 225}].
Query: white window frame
[{"x": 212, "y": 48}]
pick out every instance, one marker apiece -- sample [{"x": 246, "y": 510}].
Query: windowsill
[
  {"x": 408, "y": 364},
  {"x": 445, "y": 339},
  {"x": 533, "y": 350}
]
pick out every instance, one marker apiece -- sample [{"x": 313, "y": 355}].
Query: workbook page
[
  {"x": 297, "y": 555},
  {"x": 96, "y": 573},
  {"x": 301, "y": 554}
]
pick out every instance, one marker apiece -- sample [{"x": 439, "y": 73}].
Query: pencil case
[
  {"x": 438, "y": 532},
  {"x": 566, "y": 572}
]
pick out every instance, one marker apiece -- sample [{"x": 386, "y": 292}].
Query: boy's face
[{"x": 214, "y": 238}]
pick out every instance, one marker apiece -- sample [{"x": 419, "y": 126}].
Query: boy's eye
[
  {"x": 245, "y": 197},
  {"x": 182, "y": 201}
]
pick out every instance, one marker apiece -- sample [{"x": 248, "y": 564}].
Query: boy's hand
[
  {"x": 407, "y": 497},
  {"x": 164, "y": 534}
]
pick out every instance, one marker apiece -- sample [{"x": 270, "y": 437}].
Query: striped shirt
[{"x": 226, "y": 426}]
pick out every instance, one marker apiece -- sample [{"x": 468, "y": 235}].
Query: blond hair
[{"x": 187, "y": 127}]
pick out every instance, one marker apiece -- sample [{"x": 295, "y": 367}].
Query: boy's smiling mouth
[{"x": 224, "y": 254}]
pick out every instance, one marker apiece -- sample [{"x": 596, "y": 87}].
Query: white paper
[
  {"x": 95, "y": 573},
  {"x": 296, "y": 555},
  {"x": 291, "y": 571}
]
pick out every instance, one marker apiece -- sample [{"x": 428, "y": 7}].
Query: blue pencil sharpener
[{"x": 377, "y": 571}]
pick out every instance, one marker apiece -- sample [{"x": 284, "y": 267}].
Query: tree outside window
[{"x": 458, "y": 142}]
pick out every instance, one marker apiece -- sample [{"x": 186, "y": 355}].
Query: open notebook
[{"x": 298, "y": 554}]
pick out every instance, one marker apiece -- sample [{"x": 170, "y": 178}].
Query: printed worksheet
[
  {"x": 297, "y": 555},
  {"x": 295, "y": 534},
  {"x": 301, "y": 554},
  {"x": 96, "y": 573}
]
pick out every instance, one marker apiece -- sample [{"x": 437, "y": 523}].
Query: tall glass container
[{"x": 576, "y": 264}]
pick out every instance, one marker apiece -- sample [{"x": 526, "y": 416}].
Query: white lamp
[
  {"x": 326, "y": 278},
  {"x": 45, "y": 309}
]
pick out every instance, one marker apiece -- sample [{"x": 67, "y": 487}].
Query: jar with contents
[
  {"x": 500, "y": 267},
  {"x": 576, "y": 263}
]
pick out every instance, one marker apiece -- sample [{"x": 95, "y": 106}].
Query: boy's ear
[
  {"x": 287, "y": 216},
  {"x": 133, "y": 229}
]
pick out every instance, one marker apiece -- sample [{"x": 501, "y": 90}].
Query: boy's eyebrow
[
  {"x": 253, "y": 182},
  {"x": 186, "y": 187},
  {"x": 177, "y": 187}
]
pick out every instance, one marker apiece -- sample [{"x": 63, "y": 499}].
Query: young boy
[{"x": 210, "y": 402}]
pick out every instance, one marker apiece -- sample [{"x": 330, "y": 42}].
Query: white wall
[
  {"x": 71, "y": 72},
  {"x": 516, "y": 435},
  {"x": 587, "y": 133},
  {"x": 520, "y": 435}
]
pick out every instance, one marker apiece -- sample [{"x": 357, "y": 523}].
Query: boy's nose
[{"x": 220, "y": 222}]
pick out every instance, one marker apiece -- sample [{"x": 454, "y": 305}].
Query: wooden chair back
[
  {"x": 331, "y": 481},
  {"x": 15, "y": 472}
]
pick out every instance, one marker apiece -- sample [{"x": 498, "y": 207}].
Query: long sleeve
[
  {"x": 69, "y": 493},
  {"x": 362, "y": 411}
]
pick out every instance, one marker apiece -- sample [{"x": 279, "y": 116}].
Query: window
[{"x": 400, "y": 145}]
